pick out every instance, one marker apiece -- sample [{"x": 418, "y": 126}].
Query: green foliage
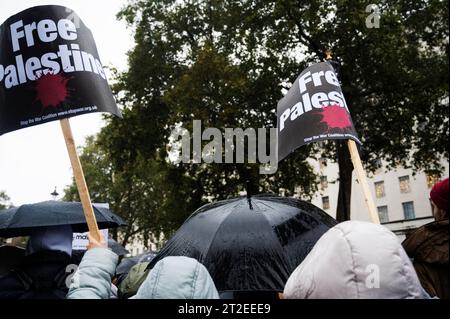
[
  {"x": 4, "y": 200},
  {"x": 138, "y": 192},
  {"x": 395, "y": 77},
  {"x": 228, "y": 63}
]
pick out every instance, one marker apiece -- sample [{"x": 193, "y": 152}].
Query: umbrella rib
[
  {"x": 23, "y": 219},
  {"x": 273, "y": 233},
  {"x": 218, "y": 228}
]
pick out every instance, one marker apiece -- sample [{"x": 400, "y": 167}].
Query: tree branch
[{"x": 304, "y": 38}]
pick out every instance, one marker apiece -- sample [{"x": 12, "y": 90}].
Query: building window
[
  {"x": 383, "y": 214},
  {"x": 404, "y": 184},
  {"x": 325, "y": 202},
  {"x": 431, "y": 180},
  {"x": 408, "y": 210},
  {"x": 322, "y": 162},
  {"x": 379, "y": 189},
  {"x": 323, "y": 182}
]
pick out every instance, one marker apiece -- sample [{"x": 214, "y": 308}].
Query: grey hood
[
  {"x": 355, "y": 260},
  {"x": 177, "y": 277}
]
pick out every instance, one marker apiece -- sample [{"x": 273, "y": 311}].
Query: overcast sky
[{"x": 34, "y": 160}]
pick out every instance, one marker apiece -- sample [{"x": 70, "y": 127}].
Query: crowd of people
[{"x": 354, "y": 259}]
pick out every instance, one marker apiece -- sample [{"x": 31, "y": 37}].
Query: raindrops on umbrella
[
  {"x": 20, "y": 221},
  {"x": 250, "y": 245}
]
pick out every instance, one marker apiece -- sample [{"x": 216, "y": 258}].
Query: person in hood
[
  {"x": 42, "y": 272},
  {"x": 10, "y": 257},
  {"x": 172, "y": 277},
  {"x": 355, "y": 260},
  {"x": 428, "y": 245}
]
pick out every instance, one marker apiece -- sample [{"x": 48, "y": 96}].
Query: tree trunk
[{"x": 345, "y": 181}]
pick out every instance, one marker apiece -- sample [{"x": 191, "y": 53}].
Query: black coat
[{"x": 41, "y": 275}]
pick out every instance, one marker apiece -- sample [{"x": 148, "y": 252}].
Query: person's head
[
  {"x": 55, "y": 238},
  {"x": 439, "y": 200},
  {"x": 178, "y": 277},
  {"x": 355, "y": 260}
]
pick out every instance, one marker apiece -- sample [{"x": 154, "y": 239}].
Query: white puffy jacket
[{"x": 355, "y": 260}]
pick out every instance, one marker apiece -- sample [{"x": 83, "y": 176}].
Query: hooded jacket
[
  {"x": 171, "y": 278},
  {"x": 43, "y": 271},
  {"x": 92, "y": 280},
  {"x": 54, "y": 238},
  {"x": 355, "y": 260},
  {"x": 178, "y": 277},
  {"x": 428, "y": 247}
]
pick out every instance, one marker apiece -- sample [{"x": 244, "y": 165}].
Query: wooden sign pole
[
  {"x": 79, "y": 179},
  {"x": 356, "y": 160}
]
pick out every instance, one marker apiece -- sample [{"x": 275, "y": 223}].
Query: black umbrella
[
  {"x": 117, "y": 248},
  {"x": 250, "y": 244},
  {"x": 20, "y": 221},
  {"x": 126, "y": 263}
]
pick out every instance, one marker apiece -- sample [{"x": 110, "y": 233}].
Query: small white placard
[{"x": 80, "y": 240}]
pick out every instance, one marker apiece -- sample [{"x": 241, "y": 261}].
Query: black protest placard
[
  {"x": 49, "y": 69},
  {"x": 314, "y": 109}
]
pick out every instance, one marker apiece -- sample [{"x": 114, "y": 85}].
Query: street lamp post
[{"x": 54, "y": 194}]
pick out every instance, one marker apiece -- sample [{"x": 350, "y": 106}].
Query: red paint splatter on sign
[
  {"x": 335, "y": 116},
  {"x": 51, "y": 89}
]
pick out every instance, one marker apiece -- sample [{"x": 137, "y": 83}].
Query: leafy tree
[
  {"x": 227, "y": 63},
  {"x": 234, "y": 58},
  {"x": 4, "y": 199},
  {"x": 190, "y": 74},
  {"x": 137, "y": 193}
]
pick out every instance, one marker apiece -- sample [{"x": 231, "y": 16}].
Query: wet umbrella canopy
[
  {"x": 117, "y": 248},
  {"x": 20, "y": 221},
  {"x": 250, "y": 244},
  {"x": 126, "y": 263}
]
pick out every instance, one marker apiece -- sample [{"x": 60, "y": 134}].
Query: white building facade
[
  {"x": 401, "y": 197},
  {"x": 137, "y": 247}
]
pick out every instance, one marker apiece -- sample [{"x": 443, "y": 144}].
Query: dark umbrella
[
  {"x": 20, "y": 221},
  {"x": 117, "y": 248},
  {"x": 126, "y": 263},
  {"x": 10, "y": 257},
  {"x": 250, "y": 244}
]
